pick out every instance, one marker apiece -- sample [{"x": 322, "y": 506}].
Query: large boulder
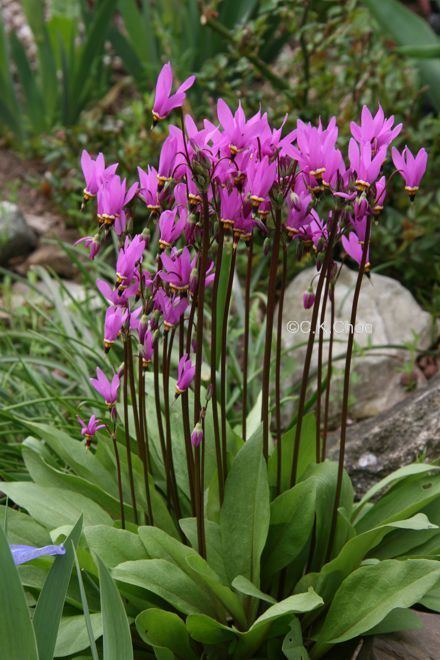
[
  {"x": 16, "y": 238},
  {"x": 388, "y": 319},
  {"x": 408, "y": 432}
]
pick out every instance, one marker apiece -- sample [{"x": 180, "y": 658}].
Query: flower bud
[
  {"x": 308, "y": 299},
  {"x": 267, "y": 246},
  {"x": 197, "y": 435}
]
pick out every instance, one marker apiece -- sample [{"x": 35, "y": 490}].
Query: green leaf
[
  {"x": 422, "y": 52},
  {"x": 207, "y": 630},
  {"x": 244, "y": 586},
  {"x": 116, "y": 629},
  {"x": 431, "y": 600},
  {"x": 17, "y": 638},
  {"x": 54, "y": 507},
  {"x": 85, "y": 607},
  {"x": 369, "y": 594},
  {"x": 307, "y": 453},
  {"x": 167, "y": 581},
  {"x": 22, "y": 529},
  {"x": 167, "y": 630},
  {"x": 50, "y": 603},
  {"x": 397, "y": 620},
  {"x": 293, "y": 647},
  {"x": 354, "y": 551},
  {"x": 292, "y": 515},
  {"x": 73, "y": 636},
  {"x": 408, "y": 29},
  {"x": 214, "y": 554},
  {"x": 244, "y": 517},
  {"x": 114, "y": 546},
  {"x": 402, "y": 473}
]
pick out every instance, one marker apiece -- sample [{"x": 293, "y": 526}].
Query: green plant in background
[
  {"x": 69, "y": 70},
  {"x": 415, "y": 39}
]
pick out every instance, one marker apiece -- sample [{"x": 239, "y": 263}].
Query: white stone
[{"x": 387, "y": 315}]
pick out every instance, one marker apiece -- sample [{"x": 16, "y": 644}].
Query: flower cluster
[{"x": 235, "y": 178}]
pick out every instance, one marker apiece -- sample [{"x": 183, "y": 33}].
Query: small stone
[
  {"x": 367, "y": 459},
  {"x": 16, "y": 238}
]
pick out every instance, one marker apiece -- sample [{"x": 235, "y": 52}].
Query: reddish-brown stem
[
  {"x": 223, "y": 355},
  {"x": 186, "y": 426},
  {"x": 329, "y": 372},
  {"x": 319, "y": 370},
  {"x": 346, "y": 390},
  {"x": 159, "y": 416},
  {"x": 172, "y": 483},
  {"x": 144, "y": 439},
  {"x": 247, "y": 304},
  {"x": 127, "y": 434},
  {"x": 269, "y": 331},
  {"x": 119, "y": 476},
  {"x": 278, "y": 368}
]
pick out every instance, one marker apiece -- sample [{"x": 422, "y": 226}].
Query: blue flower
[{"x": 24, "y": 553}]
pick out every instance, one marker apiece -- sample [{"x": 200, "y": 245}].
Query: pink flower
[
  {"x": 378, "y": 130},
  {"x": 106, "y": 388},
  {"x": 164, "y": 101},
  {"x": 412, "y": 168},
  {"x": 117, "y": 296},
  {"x": 354, "y": 248},
  {"x": 363, "y": 164},
  {"x": 260, "y": 179},
  {"x": 89, "y": 429},
  {"x": 167, "y": 161},
  {"x": 115, "y": 318},
  {"x": 149, "y": 188},
  {"x": 112, "y": 197},
  {"x": 238, "y": 132},
  {"x": 171, "y": 225},
  {"x": 129, "y": 257},
  {"x": 381, "y": 191},
  {"x": 92, "y": 244},
  {"x": 185, "y": 374},
  {"x": 177, "y": 269},
  {"x": 147, "y": 348},
  {"x": 171, "y": 308},
  {"x": 95, "y": 173}
]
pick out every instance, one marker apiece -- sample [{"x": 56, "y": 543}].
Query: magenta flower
[
  {"x": 308, "y": 299},
  {"x": 147, "y": 348},
  {"x": 378, "y": 129},
  {"x": 117, "y": 296},
  {"x": 260, "y": 179},
  {"x": 363, "y": 164},
  {"x": 354, "y": 248},
  {"x": 149, "y": 188},
  {"x": 108, "y": 389},
  {"x": 299, "y": 212},
  {"x": 167, "y": 161},
  {"x": 112, "y": 197},
  {"x": 185, "y": 374},
  {"x": 381, "y": 191},
  {"x": 412, "y": 168},
  {"x": 89, "y": 429},
  {"x": 238, "y": 132},
  {"x": 24, "y": 553},
  {"x": 92, "y": 244},
  {"x": 315, "y": 145},
  {"x": 164, "y": 101},
  {"x": 115, "y": 319},
  {"x": 95, "y": 173},
  {"x": 171, "y": 226},
  {"x": 197, "y": 435},
  {"x": 128, "y": 258},
  {"x": 171, "y": 308},
  {"x": 177, "y": 269}
]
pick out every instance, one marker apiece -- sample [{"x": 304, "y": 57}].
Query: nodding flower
[
  {"x": 377, "y": 130},
  {"x": 354, "y": 248},
  {"x": 171, "y": 226},
  {"x": 314, "y": 144},
  {"x": 89, "y": 429},
  {"x": 115, "y": 296},
  {"x": 92, "y": 244},
  {"x": 197, "y": 435},
  {"x": 381, "y": 191},
  {"x": 238, "y": 132},
  {"x": 412, "y": 168},
  {"x": 185, "y": 374},
  {"x": 115, "y": 319},
  {"x": 177, "y": 269},
  {"x": 308, "y": 299},
  {"x": 172, "y": 308},
  {"x": 95, "y": 173},
  {"x": 364, "y": 164},
  {"x": 167, "y": 161},
  {"x": 147, "y": 348},
  {"x": 149, "y": 188},
  {"x": 164, "y": 101},
  {"x": 128, "y": 258},
  {"x": 112, "y": 197},
  {"x": 299, "y": 214},
  {"x": 108, "y": 389},
  {"x": 260, "y": 177}
]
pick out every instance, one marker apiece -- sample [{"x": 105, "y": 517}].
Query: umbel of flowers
[{"x": 233, "y": 184}]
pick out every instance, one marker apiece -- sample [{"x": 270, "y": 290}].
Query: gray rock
[
  {"x": 408, "y": 432},
  {"x": 387, "y": 315},
  {"x": 16, "y": 237},
  {"x": 420, "y": 644}
]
